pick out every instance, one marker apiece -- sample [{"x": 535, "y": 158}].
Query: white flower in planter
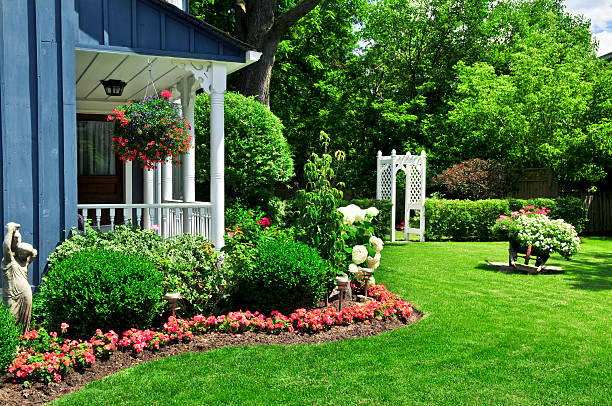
[
  {"x": 353, "y": 268},
  {"x": 360, "y": 254},
  {"x": 376, "y": 243},
  {"x": 372, "y": 211}
]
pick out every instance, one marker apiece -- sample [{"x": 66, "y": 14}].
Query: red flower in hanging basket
[{"x": 149, "y": 131}]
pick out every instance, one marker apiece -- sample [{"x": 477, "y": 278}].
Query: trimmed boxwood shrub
[
  {"x": 472, "y": 219},
  {"x": 9, "y": 338},
  {"x": 95, "y": 288},
  {"x": 286, "y": 275}
]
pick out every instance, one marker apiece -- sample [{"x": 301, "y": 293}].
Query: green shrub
[
  {"x": 257, "y": 154},
  {"x": 473, "y": 219},
  {"x": 125, "y": 239},
  {"x": 96, "y": 288},
  {"x": 462, "y": 219},
  {"x": 191, "y": 267},
  {"x": 382, "y": 222},
  {"x": 9, "y": 338},
  {"x": 286, "y": 275}
]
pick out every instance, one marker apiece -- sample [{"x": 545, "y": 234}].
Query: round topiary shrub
[
  {"x": 96, "y": 288},
  {"x": 257, "y": 155},
  {"x": 286, "y": 275},
  {"x": 9, "y": 338}
]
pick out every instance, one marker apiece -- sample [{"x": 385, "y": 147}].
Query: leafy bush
[
  {"x": 382, "y": 222},
  {"x": 191, "y": 267},
  {"x": 257, "y": 154},
  {"x": 474, "y": 179},
  {"x": 462, "y": 219},
  {"x": 320, "y": 222},
  {"x": 467, "y": 219},
  {"x": 9, "y": 338},
  {"x": 125, "y": 239},
  {"x": 96, "y": 288},
  {"x": 285, "y": 275}
]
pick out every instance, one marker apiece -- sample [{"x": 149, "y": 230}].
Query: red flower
[{"x": 166, "y": 94}]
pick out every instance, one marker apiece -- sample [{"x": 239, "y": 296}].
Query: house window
[{"x": 95, "y": 157}]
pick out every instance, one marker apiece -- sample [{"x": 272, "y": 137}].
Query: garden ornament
[{"x": 17, "y": 293}]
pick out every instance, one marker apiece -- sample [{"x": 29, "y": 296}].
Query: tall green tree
[{"x": 260, "y": 23}]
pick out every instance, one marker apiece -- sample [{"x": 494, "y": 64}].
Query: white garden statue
[{"x": 16, "y": 290}]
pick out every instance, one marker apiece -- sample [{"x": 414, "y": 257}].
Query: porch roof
[{"x": 153, "y": 27}]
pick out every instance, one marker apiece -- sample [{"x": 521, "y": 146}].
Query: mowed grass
[{"x": 488, "y": 338}]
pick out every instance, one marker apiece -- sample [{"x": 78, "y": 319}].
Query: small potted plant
[
  {"x": 531, "y": 232},
  {"x": 149, "y": 131}
]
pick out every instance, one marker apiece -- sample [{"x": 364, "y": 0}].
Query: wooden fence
[
  {"x": 537, "y": 182},
  {"x": 599, "y": 206},
  {"x": 534, "y": 182}
]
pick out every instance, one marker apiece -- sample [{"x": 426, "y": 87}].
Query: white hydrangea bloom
[
  {"x": 353, "y": 268},
  {"x": 360, "y": 216},
  {"x": 360, "y": 254},
  {"x": 376, "y": 243},
  {"x": 349, "y": 215},
  {"x": 373, "y": 263},
  {"x": 372, "y": 211}
]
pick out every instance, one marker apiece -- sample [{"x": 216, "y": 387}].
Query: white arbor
[{"x": 413, "y": 166}]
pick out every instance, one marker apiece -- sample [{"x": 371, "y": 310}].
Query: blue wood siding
[
  {"x": 38, "y": 122},
  {"x": 151, "y": 28}
]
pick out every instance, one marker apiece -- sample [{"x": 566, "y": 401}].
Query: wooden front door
[{"x": 100, "y": 174}]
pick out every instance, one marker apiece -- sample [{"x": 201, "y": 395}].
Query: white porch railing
[{"x": 169, "y": 219}]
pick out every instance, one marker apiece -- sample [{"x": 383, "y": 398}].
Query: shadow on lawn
[
  {"x": 591, "y": 275},
  {"x": 510, "y": 271}
]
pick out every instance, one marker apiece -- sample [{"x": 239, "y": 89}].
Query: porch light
[{"x": 113, "y": 87}]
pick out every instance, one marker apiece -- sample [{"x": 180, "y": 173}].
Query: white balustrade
[{"x": 168, "y": 219}]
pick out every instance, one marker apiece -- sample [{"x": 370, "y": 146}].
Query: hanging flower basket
[{"x": 149, "y": 131}]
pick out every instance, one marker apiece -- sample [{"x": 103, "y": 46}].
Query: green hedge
[{"x": 472, "y": 220}]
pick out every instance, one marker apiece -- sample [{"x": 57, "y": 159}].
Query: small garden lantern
[
  {"x": 113, "y": 87},
  {"x": 341, "y": 281},
  {"x": 172, "y": 298}
]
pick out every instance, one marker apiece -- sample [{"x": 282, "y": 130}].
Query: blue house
[{"x": 57, "y": 166}]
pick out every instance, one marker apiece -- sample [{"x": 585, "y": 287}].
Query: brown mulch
[{"x": 14, "y": 394}]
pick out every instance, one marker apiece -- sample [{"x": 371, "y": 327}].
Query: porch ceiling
[{"x": 94, "y": 66}]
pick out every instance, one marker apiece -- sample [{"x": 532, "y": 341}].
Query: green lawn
[{"x": 489, "y": 338}]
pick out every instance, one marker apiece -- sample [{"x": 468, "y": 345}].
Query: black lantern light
[{"x": 113, "y": 87}]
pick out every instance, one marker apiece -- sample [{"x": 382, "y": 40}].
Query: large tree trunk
[{"x": 256, "y": 25}]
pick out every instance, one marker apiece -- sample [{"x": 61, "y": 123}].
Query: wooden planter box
[{"x": 528, "y": 253}]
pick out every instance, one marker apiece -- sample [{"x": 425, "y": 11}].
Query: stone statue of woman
[{"x": 16, "y": 292}]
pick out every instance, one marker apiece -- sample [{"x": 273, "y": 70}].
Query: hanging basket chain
[{"x": 150, "y": 82}]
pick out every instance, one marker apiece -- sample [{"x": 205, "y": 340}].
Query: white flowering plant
[
  {"x": 362, "y": 246},
  {"x": 532, "y": 227}
]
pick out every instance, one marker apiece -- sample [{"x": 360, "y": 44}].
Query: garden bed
[{"x": 13, "y": 393}]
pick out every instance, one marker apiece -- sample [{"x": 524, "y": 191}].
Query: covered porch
[{"x": 158, "y": 43}]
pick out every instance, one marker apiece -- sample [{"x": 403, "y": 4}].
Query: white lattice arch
[{"x": 413, "y": 166}]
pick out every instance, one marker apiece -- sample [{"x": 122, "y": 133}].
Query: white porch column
[
  {"x": 166, "y": 180},
  {"x": 186, "y": 87},
  {"x": 218, "y": 75},
  {"x": 147, "y": 196}
]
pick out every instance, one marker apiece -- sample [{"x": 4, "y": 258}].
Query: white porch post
[
  {"x": 188, "y": 101},
  {"x": 218, "y": 74},
  {"x": 147, "y": 196},
  {"x": 166, "y": 180}
]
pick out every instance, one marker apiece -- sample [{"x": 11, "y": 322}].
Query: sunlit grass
[{"x": 488, "y": 338}]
